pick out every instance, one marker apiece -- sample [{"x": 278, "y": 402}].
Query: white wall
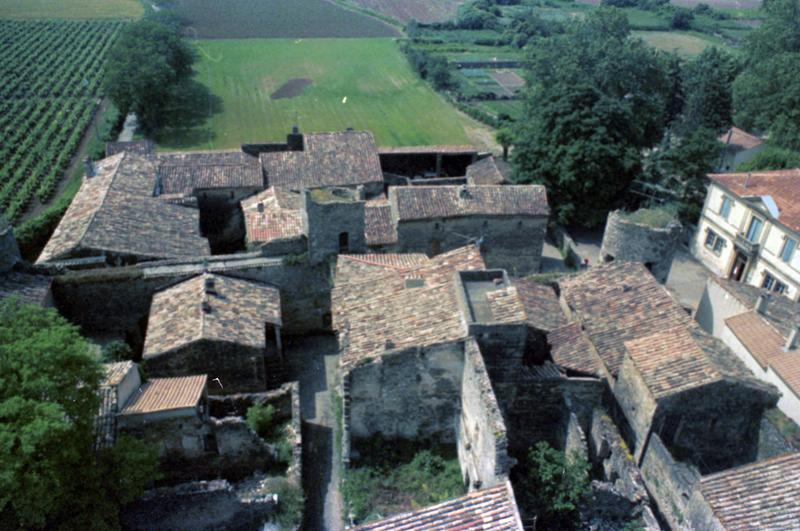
[{"x": 129, "y": 384}]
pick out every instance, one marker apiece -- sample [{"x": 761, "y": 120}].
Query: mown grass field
[
  {"x": 382, "y": 94},
  {"x": 684, "y": 44},
  {"x": 241, "y": 19},
  {"x": 70, "y": 9}
]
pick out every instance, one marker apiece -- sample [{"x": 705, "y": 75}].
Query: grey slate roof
[
  {"x": 485, "y": 171},
  {"x": 115, "y": 211},
  {"x": 429, "y": 202},
  {"x": 328, "y": 159}
]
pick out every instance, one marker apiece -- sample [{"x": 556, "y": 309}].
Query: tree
[
  {"x": 681, "y": 19},
  {"x": 146, "y": 64},
  {"x": 686, "y": 163},
  {"x": 505, "y": 137},
  {"x": 707, "y": 81},
  {"x": 48, "y": 401},
  {"x": 767, "y": 93},
  {"x": 596, "y": 98},
  {"x": 551, "y": 485},
  {"x": 771, "y": 158}
]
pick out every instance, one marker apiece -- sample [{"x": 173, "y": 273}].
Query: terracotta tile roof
[
  {"x": 236, "y": 312},
  {"x": 761, "y": 495},
  {"x": 492, "y": 509},
  {"x": 739, "y": 138},
  {"x": 782, "y": 185},
  {"x": 163, "y": 394},
  {"x": 766, "y": 345},
  {"x": 328, "y": 159},
  {"x": 427, "y": 202},
  {"x": 541, "y": 304},
  {"x": 274, "y": 221},
  {"x": 780, "y": 312},
  {"x": 186, "y": 179},
  {"x": 387, "y": 260},
  {"x": 620, "y": 302},
  {"x": 378, "y": 226},
  {"x": 29, "y": 289},
  {"x": 506, "y": 306},
  {"x": 115, "y": 211},
  {"x": 445, "y": 149},
  {"x": 671, "y": 361},
  {"x": 137, "y": 147},
  {"x": 116, "y": 372},
  {"x": 571, "y": 350},
  {"x": 375, "y": 311},
  {"x": 485, "y": 171}
]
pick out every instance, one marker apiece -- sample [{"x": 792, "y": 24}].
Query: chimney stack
[
  {"x": 89, "y": 167},
  {"x": 761, "y": 303},
  {"x": 747, "y": 179},
  {"x": 791, "y": 343}
]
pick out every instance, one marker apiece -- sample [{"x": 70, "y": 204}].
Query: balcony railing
[{"x": 746, "y": 246}]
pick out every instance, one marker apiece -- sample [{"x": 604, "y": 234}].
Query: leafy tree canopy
[
  {"x": 707, "y": 85},
  {"x": 596, "y": 98},
  {"x": 145, "y": 65},
  {"x": 48, "y": 401},
  {"x": 767, "y": 93},
  {"x": 772, "y": 158}
]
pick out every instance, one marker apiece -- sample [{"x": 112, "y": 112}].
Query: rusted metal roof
[{"x": 163, "y": 394}]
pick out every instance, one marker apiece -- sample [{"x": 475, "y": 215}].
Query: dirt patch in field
[
  {"x": 291, "y": 89},
  {"x": 420, "y": 10},
  {"x": 509, "y": 80}
]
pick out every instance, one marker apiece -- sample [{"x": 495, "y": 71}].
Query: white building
[
  {"x": 750, "y": 228},
  {"x": 761, "y": 329}
]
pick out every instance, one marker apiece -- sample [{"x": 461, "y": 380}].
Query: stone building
[
  {"x": 115, "y": 219},
  {"x": 170, "y": 413},
  {"x": 749, "y": 229},
  {"x": 333, "y": 219},
  {"x": 740, "y": 147},
  {"x": 226, "y": 327},
  {"x": 492, "y": 509},
  {"x": 669, "y": 377},
  {"x": 761, "y": 328},
  {"x": 626, "y": 239},
  {"x": 487, "y": 171},
  {"x": 508, "y": 222}
]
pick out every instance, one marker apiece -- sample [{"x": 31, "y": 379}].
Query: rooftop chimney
[
  {"x": 747, "y": 179},
  {"x": 89, "y": 167},
  {"x": 791, "y": 343},
  {"x": 206, "y": 306},
  {"x": 463, "y": 193},
  {"x": 761, "y": 303},
  {"x": 209, "y": 285}
]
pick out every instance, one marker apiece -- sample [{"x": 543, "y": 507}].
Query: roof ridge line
[{"x": 102, "y": 201}]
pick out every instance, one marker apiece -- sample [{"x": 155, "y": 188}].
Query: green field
[
  {"x": 383, "y": 94},
  {"x": 70, "y": 9},
  {"x": 684, "y": 44}
]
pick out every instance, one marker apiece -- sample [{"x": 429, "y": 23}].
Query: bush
[
  {"x": 551, "y": 485},
  {"x": 117, "y": 350},
  {"x": 261, "y": 419},
  {"x": 290, "y": 504},
  {"x": 681, "y": 19},
  {"x": 772, "y": 158}
]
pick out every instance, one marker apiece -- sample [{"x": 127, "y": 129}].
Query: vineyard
[{"x": 51, "y": 75}]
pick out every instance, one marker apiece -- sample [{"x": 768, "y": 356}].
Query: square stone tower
[{"x": 334, "y": 221}]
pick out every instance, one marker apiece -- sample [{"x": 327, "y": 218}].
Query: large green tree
[
  {"x": 146, "y": 65},
  {"x": 767, "y": 93},
  {"x": 707, "y": 81},
  {"x": 48, "y": 400},
  {"x": 596, "y": 98}
]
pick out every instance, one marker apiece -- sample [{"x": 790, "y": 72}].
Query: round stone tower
[{"x": 649, "y": 236}]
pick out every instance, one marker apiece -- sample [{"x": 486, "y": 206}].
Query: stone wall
[
  {"x": 408, "y": 394},
  {"x": 239, "y": 368},
  {"x": 575, "y": 438},
  {"x": 636, "y": 403},
  {"x": 482, "y": 439},
  {"x": 200, "y": 505},
  {"x": 669, "y": 482},
  {"x": 511, "y": 243},
  {"x": 282, "y": 247},
  {"x": 637, "y": 242},
  {"x": 181, "y": 436},
  {"x": 117, "y": 301}
]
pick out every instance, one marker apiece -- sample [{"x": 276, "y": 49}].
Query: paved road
[
  {"x": 314, "y": 361},
  {"x": 687, "y": 278}
]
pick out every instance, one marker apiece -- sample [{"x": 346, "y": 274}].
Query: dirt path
[
  {"x": 314, "y": 363},
  {"x": 35, "y": 206}
]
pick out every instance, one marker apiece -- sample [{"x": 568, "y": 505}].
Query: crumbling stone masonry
[{"x": 624, "y": 240}]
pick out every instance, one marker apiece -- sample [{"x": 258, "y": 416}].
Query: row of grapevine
[{"x": 52, "y": 74}]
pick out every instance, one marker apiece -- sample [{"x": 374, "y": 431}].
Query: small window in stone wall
[
  {"x": 485, "y": 224},
  {"x": 519, "y": 224},
  {"x": 608, "y": 258},
  {"x": 344, "y": 242},
  {"x": 327, "y": 320}
]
